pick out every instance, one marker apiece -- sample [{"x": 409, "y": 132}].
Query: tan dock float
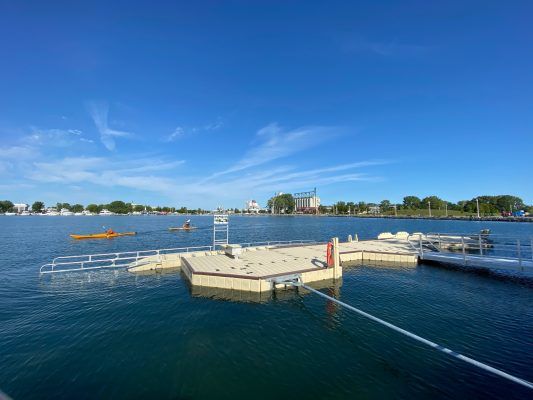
[{"x": 261, "y": 269}]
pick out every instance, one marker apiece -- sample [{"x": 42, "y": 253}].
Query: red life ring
[{"x": 329, "y": 254}]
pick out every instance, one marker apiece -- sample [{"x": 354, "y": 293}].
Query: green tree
[
  {"x": 118, "y": 207},
  {"x": 341, "y": 207},
  {"x": 138, "y": 208},
  {"x": 182, "y": 210},
  {"x": 95, "y": 209},
  {"x": 60, "y": 206},
  {"x": 284, "y": 203},
  {"x": 411, "y": 202},
  {"x": 385, "y": 206},
  {"x": 436, "y": 203},
  {"x": 76, "y": 208},
  {"x": 38, "y": 206},
  {"x": 6, "y": 206}
]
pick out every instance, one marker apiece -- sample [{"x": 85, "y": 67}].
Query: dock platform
[
  {"x": 264, "y": 268},
  {"x": 259, "y": 269}
]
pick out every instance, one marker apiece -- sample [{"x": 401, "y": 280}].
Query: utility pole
[
  {"x": 429, "y": 208},
  {"x": 477, "y": 203}
]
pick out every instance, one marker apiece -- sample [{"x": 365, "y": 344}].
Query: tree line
[
  {"x": 488, "y": 205},
  {"x": 117, "y": 207}
]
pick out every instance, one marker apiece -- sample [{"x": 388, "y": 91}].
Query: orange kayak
[{"x": 102, "y": 235}]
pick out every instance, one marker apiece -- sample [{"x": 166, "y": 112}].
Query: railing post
[
  {"x": 464, "y": 251},
  {"x": 531, "y": 249},
  {"x": 90, "y": 257},
  {"x": 420, "y": 241},
  {"x": 480, "y": 246},
  {"x": 440, "y": 242}
]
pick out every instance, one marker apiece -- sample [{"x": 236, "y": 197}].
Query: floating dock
[{"x": 263, "y": 267}]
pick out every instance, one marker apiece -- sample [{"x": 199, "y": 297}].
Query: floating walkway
[{"x": 262, "y": 267}]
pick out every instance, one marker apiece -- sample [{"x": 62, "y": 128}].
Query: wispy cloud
[
  {"x": 181, "y": 131},
  {"x": 17, "y": 152},
  {"x": 99, "y": 113},
  {"x": 104, "y": 171},
  {"x": 53, "y": 137},
  {"x": 274, "y": 142}
]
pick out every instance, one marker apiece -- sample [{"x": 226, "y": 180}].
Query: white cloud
[
  {"x": 107, "y": 172},
  {"x": 17, "y": 152},
  {"x": 213, "y": 126},
  {"x": 276, "y": 142},
  {"x": 178, "y": 133},
  {"x": 99, "y": 112},
  {"x": 181, "y": 131}
]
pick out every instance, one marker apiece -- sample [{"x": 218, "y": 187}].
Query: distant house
[
  {"x": 21, "y": 207},
  {"x": 252, "y": 207},
  {"x": 374, "y": 210}
]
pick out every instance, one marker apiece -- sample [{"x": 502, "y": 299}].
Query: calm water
[{"x": 114, "y": 334}]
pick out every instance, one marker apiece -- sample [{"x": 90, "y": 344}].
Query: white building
[
  {"x": 252, "y": 207},
  {"x": 21, "y": 207},
  {"x": 306, "y": 203}
]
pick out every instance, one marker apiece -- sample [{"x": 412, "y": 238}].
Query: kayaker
[
  {"x": 187, "y": 224},
  {"x": 110, "y": 231}
]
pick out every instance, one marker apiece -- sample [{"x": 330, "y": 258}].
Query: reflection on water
[{"x": 114, "y": 334}]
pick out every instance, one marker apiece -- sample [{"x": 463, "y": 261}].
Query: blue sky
[{"x": 212, "y": 103}]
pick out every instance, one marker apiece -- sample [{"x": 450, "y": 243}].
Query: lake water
[{"x": 106, "y": 334}]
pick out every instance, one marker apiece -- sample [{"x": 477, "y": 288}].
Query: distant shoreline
[
  {"x": 449, "y": 218},
  {"x": 403, "y": 217}
]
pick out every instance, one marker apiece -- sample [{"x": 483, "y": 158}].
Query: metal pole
[
  {"x": 477, "y": 202},
  {"x": 480, "y": 247},
  {"x": 446, "y": 206},
  {"x": 420, "y": 339},
  {"x": 420, "y": 241},
  {"x": 429, "y": 207}
]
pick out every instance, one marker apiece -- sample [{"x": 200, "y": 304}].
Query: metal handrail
[
  {"x": 134, "y": 257},
  {"x": 518, "y": 249}
]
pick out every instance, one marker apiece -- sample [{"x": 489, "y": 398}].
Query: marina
[{"x": 374, "y": 278}]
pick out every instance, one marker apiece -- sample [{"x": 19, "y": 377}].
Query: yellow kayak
[
  {"x": 103, "y": 235},
  {"x": 181, "y": 228}
]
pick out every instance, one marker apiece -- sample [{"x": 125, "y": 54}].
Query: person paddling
[
  {"x": 110, "y": 231},
  {"x": 187, "y": 224}
]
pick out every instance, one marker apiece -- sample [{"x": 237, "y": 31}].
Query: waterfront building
[
  {"x": 252, "y": 207},
  {"x": 306, "y": 202},
  {"x": 20, "y": 207}
]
